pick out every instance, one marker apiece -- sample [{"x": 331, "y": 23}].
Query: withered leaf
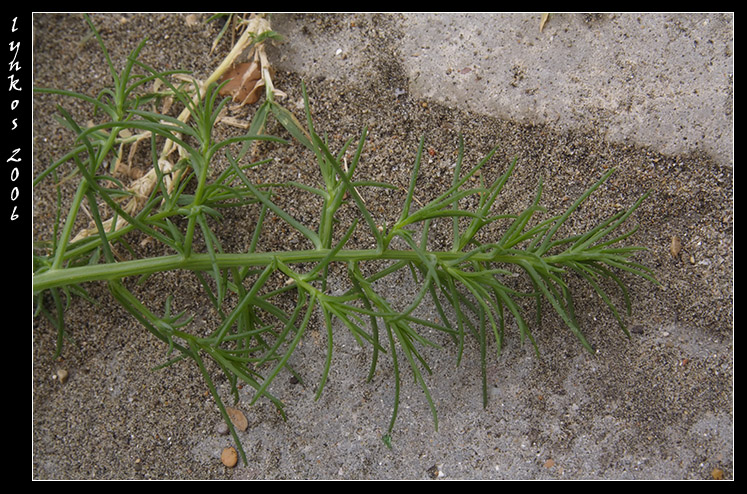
[
  {"x": 244, "y": 83},
  {"x": 544, "y": 19}
]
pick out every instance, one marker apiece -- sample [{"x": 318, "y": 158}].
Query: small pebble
[
  {"x": 675, "y": 247},
  {"x": 222, "y": 429},
  {"x": 435, "y": 472},
  {"x": 62, "y": 375},
  {"x": 229, "y": 457},
  {"x": 237, "y": 418}
]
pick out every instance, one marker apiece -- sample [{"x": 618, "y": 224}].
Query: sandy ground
[{"x": 656, "y": 406}]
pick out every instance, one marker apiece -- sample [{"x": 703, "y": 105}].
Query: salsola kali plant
[{"x": 472, "y": 285}]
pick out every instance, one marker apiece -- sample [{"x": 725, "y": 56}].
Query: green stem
[
  {"x": 201, "y": 262},
  {"x": 67, "y": 230}
]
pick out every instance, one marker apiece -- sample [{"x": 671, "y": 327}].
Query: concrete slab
[{"x": 659, "y": 80}]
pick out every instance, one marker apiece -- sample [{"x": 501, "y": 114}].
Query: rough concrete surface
[{"x": 648, "y": 94}]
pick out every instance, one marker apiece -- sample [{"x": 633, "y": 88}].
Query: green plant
[{"x": 472, "y": 285}]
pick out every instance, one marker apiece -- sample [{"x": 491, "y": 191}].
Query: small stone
[
  {"x": 717, "y": 474},
  {"x": 229, "y": 457},
  {"x": 237, "y": 418},
  {"x": 435, "y": 472},
  {"x": 222, "y": 429},
  {"x": 62, "y": 375},
  {"x": 675, "y": 247}
]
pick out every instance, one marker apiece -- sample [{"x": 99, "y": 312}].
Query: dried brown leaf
[
  {"x": 543, "y": 20},
  {"x": 244, "y": 83}
]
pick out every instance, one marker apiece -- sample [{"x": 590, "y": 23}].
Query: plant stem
[{"x": 201, "y": 262}]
